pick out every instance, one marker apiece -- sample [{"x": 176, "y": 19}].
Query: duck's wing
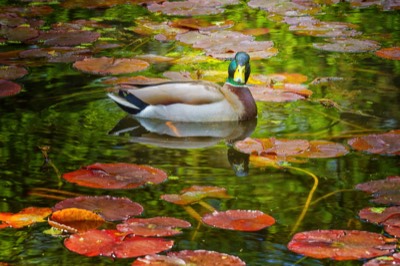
[{"x": 187, "y": 92}]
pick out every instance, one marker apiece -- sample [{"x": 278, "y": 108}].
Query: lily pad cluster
[
  {"x": 107, "y": 226},
  {"x": 355, "y": 244}
]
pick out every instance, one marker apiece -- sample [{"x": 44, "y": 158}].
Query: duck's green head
[{"x": 239, "y": 69}]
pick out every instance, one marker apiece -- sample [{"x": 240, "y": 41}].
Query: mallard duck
[{"x": 194, "y": 101}]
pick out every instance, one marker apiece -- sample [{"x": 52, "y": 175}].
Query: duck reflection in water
[{"x": 188, "y": 135}]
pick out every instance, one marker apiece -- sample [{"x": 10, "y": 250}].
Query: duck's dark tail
[{"x": 128, "y": 102}]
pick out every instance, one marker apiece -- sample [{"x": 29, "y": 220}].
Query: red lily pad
[
  {"x": 388, "y": 217},
  {"x": 348, "y": 45},
  {"x": 110, "y": 66},
  {"x": 156, "y": 226},
  {"x": 12, "y": 72},
  {"x": 384, "y": 261},
  {"x": 196, "y": 193},
  {"x": 66, "y": 37},
  {"x": 25, "y": 217},
  {"x": 116, "y": 176},
  {"x": 75, "y": 220},
  {"x": 385, "y": 191},
  {"x": 389, "y": 53},
  {"x": 379, "y": 214},
  {"x": 190, "y": 257},
  {"x": 112, "y": 243},
  {"x": 110, "y": 208},
  {"x": 239, "y": 220},
  {"x": 8, "y": 88},
  {"x": 341, "y": 244},
  {"x": 385, "y": 143},
  {"x": 57, "y": 54}
]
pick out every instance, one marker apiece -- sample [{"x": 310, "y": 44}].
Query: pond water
[{"x": 68, "y": 110}]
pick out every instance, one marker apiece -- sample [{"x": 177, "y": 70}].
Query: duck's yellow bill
[{"x": 239, "y": 75}]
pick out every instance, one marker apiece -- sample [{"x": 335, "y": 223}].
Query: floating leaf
[
  {"x": 66, "y": 37},
  {"x": 388, "y": 217},
  {"x": 288, "y": 150},
  {"x": 75, "y": 220},
  {"x": 268, "y": 94},
  {"x": 224, "y": 44},
  {"x": 116, "y": 176},
  {"x": 110, "y": 66},
  {"x": 19, "y": 34},
  {"x": 8, "y": 88},
  {"x": 201, "y": 24},
  {"x": 384, "y": 261},
  {"x": 57, "y": 54},
  {"x": 289, "y": 8},
  {"x": 12, "y": 72},
  {"x": 239, "y": 220},
  {"x": 341, "y": 244},
  {"x": 112, "y": 243},
  {"x": 325, "y": 29},
  {"x": 149, "y": 27},
  {"x": 190, "y": 257},
  {"x": 156, "y": 226},
  {"x": 136, "y": 80},
  {"x": 385, "y": 191},
  {"x": 25, "y": 217},
  {"x": 378, "y": 214},
  {"x": 348, "y": 45},
  {"x": 196, "y": 193},
  {"x": 389, "y": 53},
  {"x": 110, "y": 208},
  {"x": 191, "y": 7},
  {"x": 385, "y": 143},
  {"x": 324, "y": 149},
  {"x": 100, "y": 3}
]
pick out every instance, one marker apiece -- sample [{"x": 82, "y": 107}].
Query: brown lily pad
[
  {"x": 110, "y": 208},
  {"x": 191, "y": 7},
  {"x": 385, "y": 143},
  {"x": 57, "y": 54},
  {"x": 8, "y": 88},
  {"x": 116, "y": 176},
  {"x": 12, "y": 72},
  {"x": 110, "y": 66},
  {"x": 239, "y": 220},
  {"x": 341, "y": 244},
  {"x": 156, "y": 226},
  {"x": 347, "y": 45},
  {"x": 20, "y": 33},
  {"x": 392, "y": 53},
  {"x": 385, "y": 191},
  {"x": 66, "y": 37}
]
